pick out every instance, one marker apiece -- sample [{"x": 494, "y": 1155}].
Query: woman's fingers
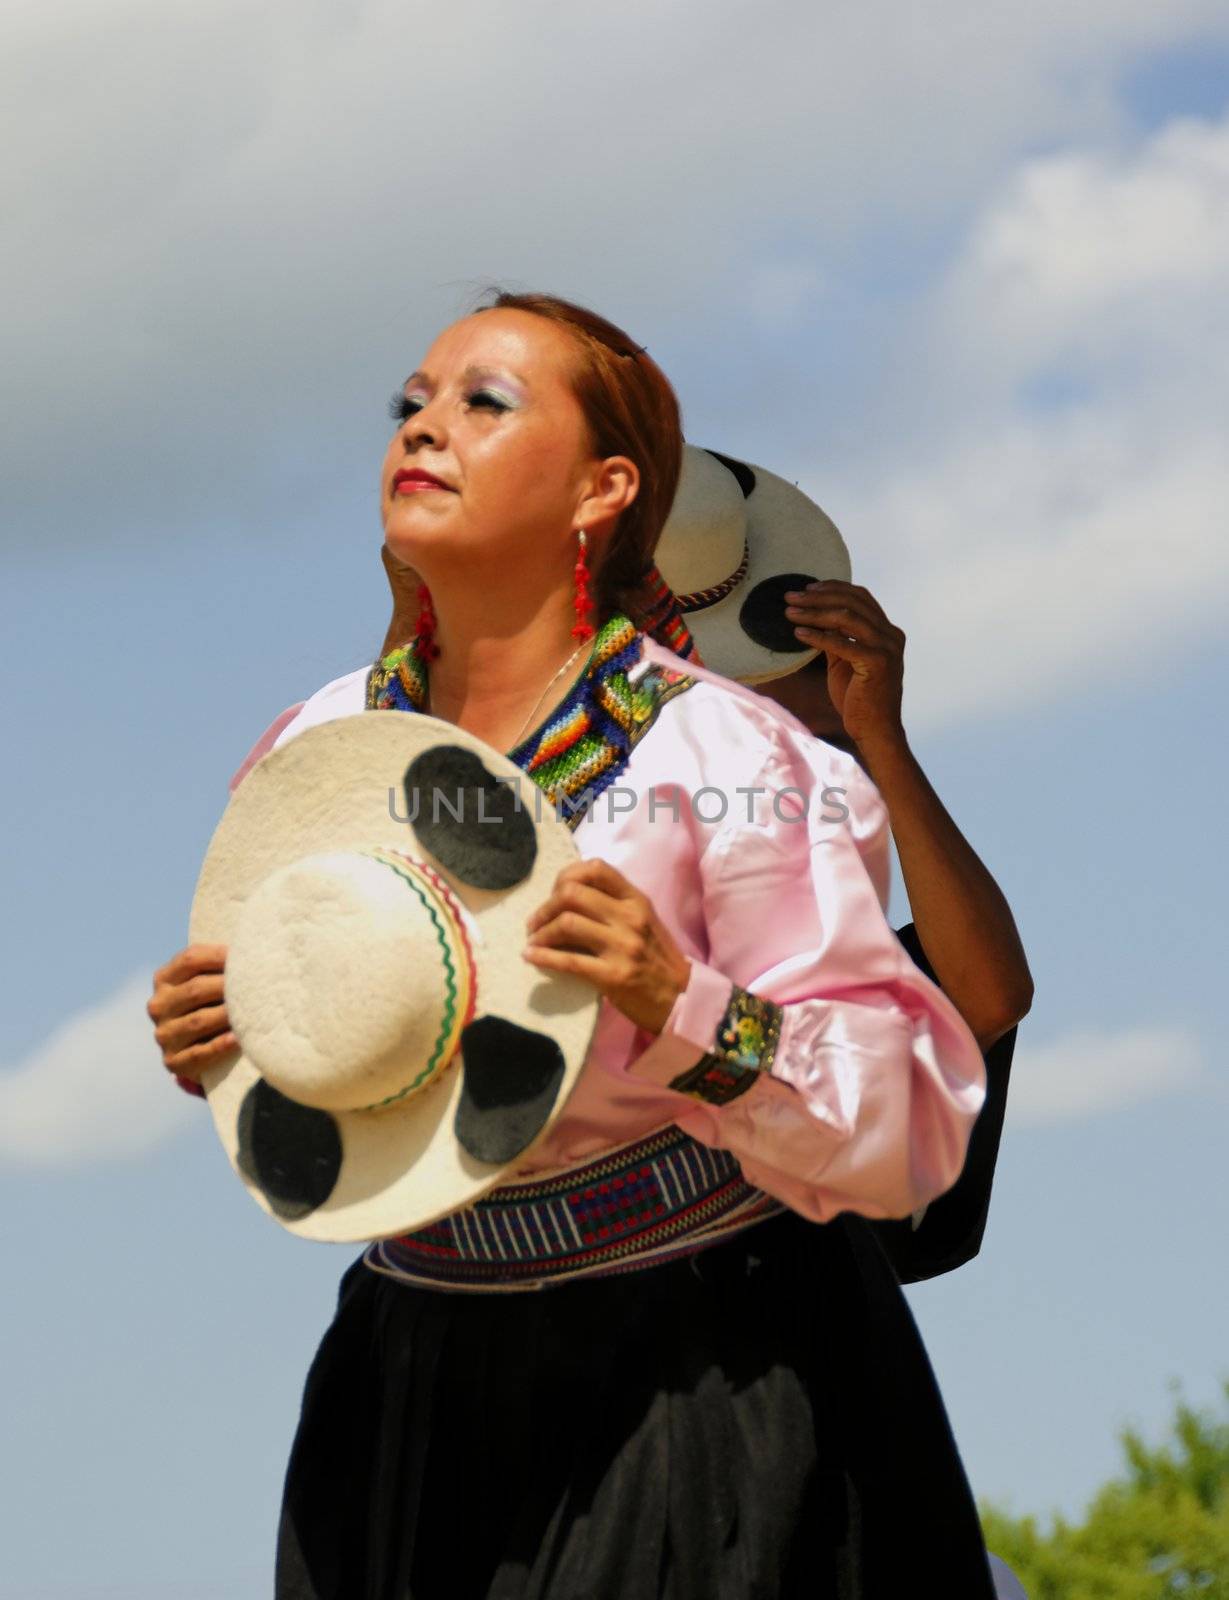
[
  {"x": 598, "y": 954},
  {"x": 176, "y": 999},
  {"x": 598, "y": 926},
  {"x": 190, "y": 1063},
  {"x": 188, "y": 1010},
  {"x": 578, "y": 962},
  {"x": 191, "y": 1028},
  {"x": 572, "y": 894},
  {"x": 188, "y": 963},
  {"x": 595, "y": 890},
  {"x": 573, "y": 930},
  {"x": 599, "y": 875}
]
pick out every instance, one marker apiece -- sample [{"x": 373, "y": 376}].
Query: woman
[{"x": 701, "y": 1418}]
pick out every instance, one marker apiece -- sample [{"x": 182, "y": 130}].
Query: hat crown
[
  {"x": 349, "y": 978},
  {"x": 703, "y": 538}
]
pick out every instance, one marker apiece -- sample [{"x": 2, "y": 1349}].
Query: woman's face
[{"x": 492, "y": 459}]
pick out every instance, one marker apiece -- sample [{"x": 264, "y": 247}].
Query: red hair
[{"x": 632, "y": 411}]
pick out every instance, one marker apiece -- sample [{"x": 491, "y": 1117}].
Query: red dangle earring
[
  {"x": 581, "y": 602},
  {"x": 425, "y": 646}
]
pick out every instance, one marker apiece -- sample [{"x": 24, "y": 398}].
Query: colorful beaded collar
[{"x": 585, "y": 743}]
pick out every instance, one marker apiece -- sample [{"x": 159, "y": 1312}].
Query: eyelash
[{"x": 401, "y": 406}]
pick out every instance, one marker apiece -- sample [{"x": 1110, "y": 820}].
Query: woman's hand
[
  {"x": 596, "y": 925},
  {"x": 188, "y": 1013},
  {"x": 865, "y": 652}
]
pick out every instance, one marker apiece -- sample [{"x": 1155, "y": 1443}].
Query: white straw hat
[
  {"x": 736, "y": 539},
  {"x": 371, "y": 880}
]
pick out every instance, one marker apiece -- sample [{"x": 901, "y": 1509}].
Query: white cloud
[
  {"x": 1089, "y": 251},
  {"x": 1036, "y": 546},
  {"x": 94, "y": 1091},
  {"x": 1082, "y": 231},
  {"x": 1089, "y": 1072},
  {"x": 1050, "y": 560}
]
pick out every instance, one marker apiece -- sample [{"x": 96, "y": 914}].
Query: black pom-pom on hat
[
  {"x": 291, "y": 1152},
  {"x": 512, "y": 1077},
  {"x": 762, "y": 614},
  {"x": 472, "y": 823}
]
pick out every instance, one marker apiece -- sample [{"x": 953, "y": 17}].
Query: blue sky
[{"x": 962, "y": 281}]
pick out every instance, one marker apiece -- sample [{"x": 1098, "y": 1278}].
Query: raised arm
[{"x": 962, "y": 917}]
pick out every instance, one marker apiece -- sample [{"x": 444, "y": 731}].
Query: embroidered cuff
[
  {"x": 746, "y": 1042},
  {"x": 716, "y": 1042},
  {"x": 689, "y": 1030}
]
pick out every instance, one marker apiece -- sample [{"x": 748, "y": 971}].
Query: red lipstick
[{"x": 413, "y": 480}]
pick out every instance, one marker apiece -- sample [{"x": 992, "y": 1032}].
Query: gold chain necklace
[
  {"x": 520, "y": 733},
  {"x": 521, "y": 730}
]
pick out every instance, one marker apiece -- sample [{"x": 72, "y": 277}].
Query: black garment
[
  {"x": 757, "y": 1422},
  {"x": 950, "y": 1232}
]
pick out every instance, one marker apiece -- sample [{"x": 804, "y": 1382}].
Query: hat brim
[
  {"x": 787, "y": 535},
  {"x": 334, "y": 787}
]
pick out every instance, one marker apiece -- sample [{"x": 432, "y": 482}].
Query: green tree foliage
[{"x": 1159, "y": 1530}]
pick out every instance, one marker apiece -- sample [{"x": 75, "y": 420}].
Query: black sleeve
[{"x": 950, "y": 1232}]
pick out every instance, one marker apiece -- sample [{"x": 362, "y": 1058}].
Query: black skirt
[{"x": 755, "y": 1422}]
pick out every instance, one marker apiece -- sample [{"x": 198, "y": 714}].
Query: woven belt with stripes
[{"x": 633, "y": 1207}]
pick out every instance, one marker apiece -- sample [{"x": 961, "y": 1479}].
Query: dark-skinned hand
[{"x": 865, "y": 654}]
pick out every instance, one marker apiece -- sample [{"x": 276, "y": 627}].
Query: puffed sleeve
[
  {"x": 807, "y": 1043},
  {"x": 265, "y": 743}
]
